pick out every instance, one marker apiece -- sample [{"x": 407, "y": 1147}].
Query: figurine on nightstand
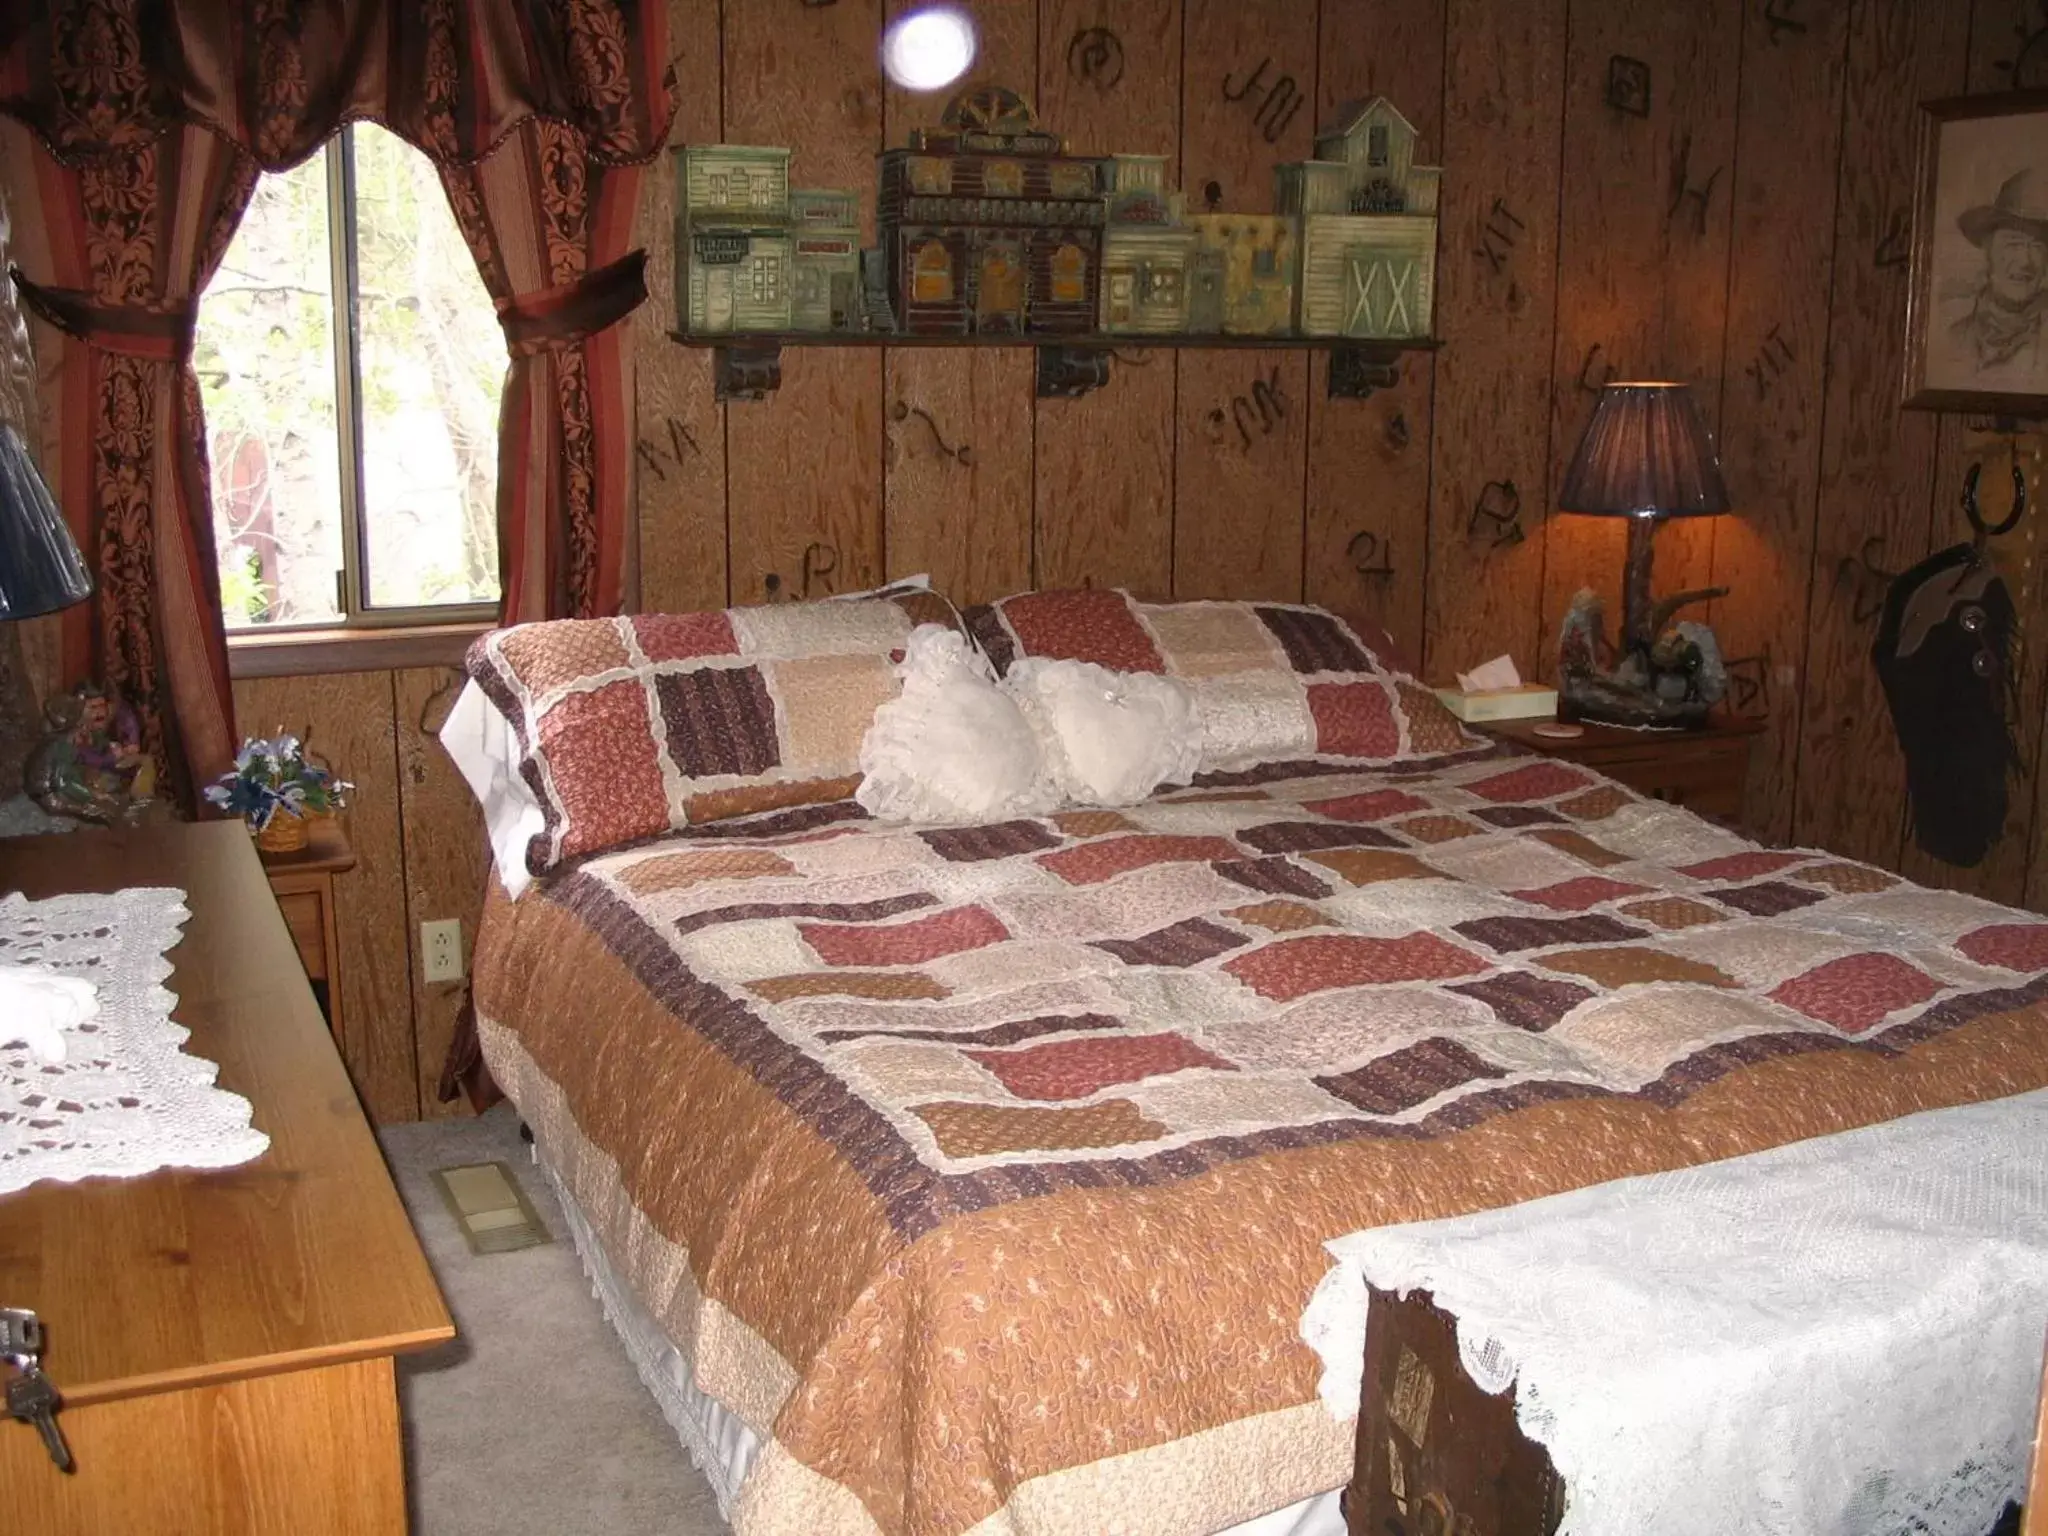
[
  {"x": 91, "y": 765},
  {"x": 1675, "y": 680}
]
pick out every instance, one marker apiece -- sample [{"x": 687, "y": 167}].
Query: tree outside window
[{"x": 350, "y": 363}]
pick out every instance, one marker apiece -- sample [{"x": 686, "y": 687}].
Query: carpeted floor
[{"x": 532, "y": 1420}]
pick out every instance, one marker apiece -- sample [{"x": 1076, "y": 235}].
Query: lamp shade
[
  {"x": 40, "y": 568},
  {"x": 1646, "y": 453}
]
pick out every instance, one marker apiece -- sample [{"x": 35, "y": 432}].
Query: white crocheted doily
[{"x": 126, "y": 1100}]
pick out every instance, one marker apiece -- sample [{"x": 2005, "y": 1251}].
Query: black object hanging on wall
[{"x": 1944, "y": 654}]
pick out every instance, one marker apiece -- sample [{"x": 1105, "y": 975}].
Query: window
[
  {"x": 718, "y": 190},
  {"x": 1069, "y": 275},
  {"x": 350, "y": 363},
  {"x": 931, "y": 274},
  {"x": 767, "y": 279},
  {"x": 1376, "y": 148},
  {"x": 1265, "y": 262}
]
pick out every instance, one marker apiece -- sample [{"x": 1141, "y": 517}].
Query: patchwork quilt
[{"x": 983, "y": 1171}]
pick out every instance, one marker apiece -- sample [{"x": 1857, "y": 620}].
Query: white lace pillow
[
  {"x": 1109, "y": 738},
  {"x": 951, "y": 747}
]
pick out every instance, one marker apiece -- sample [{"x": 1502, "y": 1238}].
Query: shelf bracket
[
  {"x": 1067, "y": 373},
  {"x": 1355, "y": 371},
  {"x": 746, "y": 370}
]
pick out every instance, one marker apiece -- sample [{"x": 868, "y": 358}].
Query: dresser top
[{"x": 301, "y": 1257}]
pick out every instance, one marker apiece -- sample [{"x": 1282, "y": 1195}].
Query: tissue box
[{"x": 1526, "y": 702}]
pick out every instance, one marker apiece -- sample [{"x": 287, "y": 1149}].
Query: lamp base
[{"x": 1609, "y": 703}]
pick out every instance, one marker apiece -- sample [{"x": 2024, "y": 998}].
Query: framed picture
[{"x": 1977, "y": 324}]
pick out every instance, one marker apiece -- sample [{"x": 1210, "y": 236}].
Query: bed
[{"x": 973, "y": 1178}]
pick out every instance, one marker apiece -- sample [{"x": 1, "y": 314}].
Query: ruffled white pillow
[
  {"x": 951, "y": 747},
  {"x": 1109, "y": 738}
]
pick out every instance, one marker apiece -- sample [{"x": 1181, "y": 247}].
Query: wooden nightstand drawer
[
  {"x": 303, "y": 915},
  {"x": 1704, "y": 770}
]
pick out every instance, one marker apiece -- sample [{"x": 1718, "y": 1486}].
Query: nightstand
[
  {"x": 1704, "y": 770},
  {"x": 303, "y": 883}
]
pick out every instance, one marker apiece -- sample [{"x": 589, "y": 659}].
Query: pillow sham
[
  {"x": 1271, "y": 681},
  {"x": 630, "y": 727},
  {"x": 1109, "y": 738},
  {"x": 951, "y": 747}
]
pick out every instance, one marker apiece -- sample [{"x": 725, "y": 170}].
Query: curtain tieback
[
  {"x": 571, "y": 313},
  {"x": 160, "y": 333}
]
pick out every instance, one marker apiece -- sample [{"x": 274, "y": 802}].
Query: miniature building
[
  {"x": 988, "y": 228},
  {"x": 1242, "y": 278},
  {"x": 1147, "y": 249},
  {"x": 1368, "y": 228},
  {"x": 733, "y": 238},
  {"x": 825, "y": 290}
]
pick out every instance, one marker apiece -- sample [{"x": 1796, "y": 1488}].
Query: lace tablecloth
[
  {"x": 126, "y": 1100},
  {"x": 1841, "y": 1337}
]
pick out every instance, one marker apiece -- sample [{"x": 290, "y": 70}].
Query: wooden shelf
[{"x": 749, "y": 363}]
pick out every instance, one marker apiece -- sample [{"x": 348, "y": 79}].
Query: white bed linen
[
  {"x": 1839, "y": 1337},
  {"x": 722, "y": 1444},
  {"x": 479, "y": 740}
]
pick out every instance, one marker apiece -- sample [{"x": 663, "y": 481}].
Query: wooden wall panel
[
  {"x": 1366, "y": 539},
  {"x": 346, "y": 719},
  {"x": 1787, "y": 158},
  {"x": 447, "y": 860},
  {"x": 1247, "y": 103},
  {"x": 1877, "y": 463},
  {"x": 1109, "y": 75},
  {"x": 679, "y": 433},
  {"x": 1649, "y": 137},
  {"x": 804, "y": 467},
  {"x": 959, "y": 424},
  {"x": 1496, "y": 300}
]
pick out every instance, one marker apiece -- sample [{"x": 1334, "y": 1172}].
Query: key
[{"x": 32, "y": 1398}]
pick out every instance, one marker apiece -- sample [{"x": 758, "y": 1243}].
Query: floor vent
[{"x": 490, "y": 1207}]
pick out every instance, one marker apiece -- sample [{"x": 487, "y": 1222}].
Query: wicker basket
[{"x": 285, "y": 834}]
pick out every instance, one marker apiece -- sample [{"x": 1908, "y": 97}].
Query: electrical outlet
[{"x": 441, "y": 945}]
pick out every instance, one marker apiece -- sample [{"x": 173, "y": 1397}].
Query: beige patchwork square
[
  {"x": 820, "y": 629},
  {"x": 824, "y": 706},
  {"x": 1209, "y": 639}
]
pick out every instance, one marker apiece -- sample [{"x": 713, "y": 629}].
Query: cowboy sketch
[{"x": 1996, "y": 323}]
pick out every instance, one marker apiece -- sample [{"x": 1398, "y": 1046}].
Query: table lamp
[
  {"x": 1646, "y": 456},
  {"x": 40, "y": 572}
]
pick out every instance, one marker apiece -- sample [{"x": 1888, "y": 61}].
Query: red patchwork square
[
  {"x": 680, "y": 636},
  {"x": 2009, "y": 946},
  {"x": 1092, "y": 863},
  {"x": 912, "y": 943},
  {"x": 1087, "y": 624},
  {"x": 1373, "y": 805},
  {"x": 1579, "y": 894},
  {"x": 1294, "y": 968},
  {"x": 1857, "y": 991},
  {"x": 1538, "y": 781},
  {"x": 603, "y": 768},
  {"x": 1073, "y": 1069},
  {"x": 1742, "y": 866},
  {"x": 1354, "y": 719}
]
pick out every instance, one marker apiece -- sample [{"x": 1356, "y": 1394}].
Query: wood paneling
[
  {"x": 347, "y": 719},
  {"x": 447, "y": 859},
  {"x": 1366, "y": 536},
  {"x": 959, "y": 424},
  {"x": 1247, "y": 103},
  {"x": 679, "y": 432},
  {"x": 804, "y": 467},
  {"x": 1109, "y": 75},
  {"x": 1877, "y": 462},
  {"x": 1497, "y": 259},
  {"x": 1787, "y": 157}
]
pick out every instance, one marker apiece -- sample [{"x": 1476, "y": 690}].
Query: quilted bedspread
[{"x": 984, "y": 1171}]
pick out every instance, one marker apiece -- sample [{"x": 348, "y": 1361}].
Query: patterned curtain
[{"x": 134, "y": 131}]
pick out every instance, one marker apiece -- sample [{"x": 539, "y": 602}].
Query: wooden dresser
[{"x": 223, "y": 1340}]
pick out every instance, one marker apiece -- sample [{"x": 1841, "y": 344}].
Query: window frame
[{"x": 358, "y": 615}]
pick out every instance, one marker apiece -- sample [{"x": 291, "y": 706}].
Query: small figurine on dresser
[{"x": 91, "y": 765}]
